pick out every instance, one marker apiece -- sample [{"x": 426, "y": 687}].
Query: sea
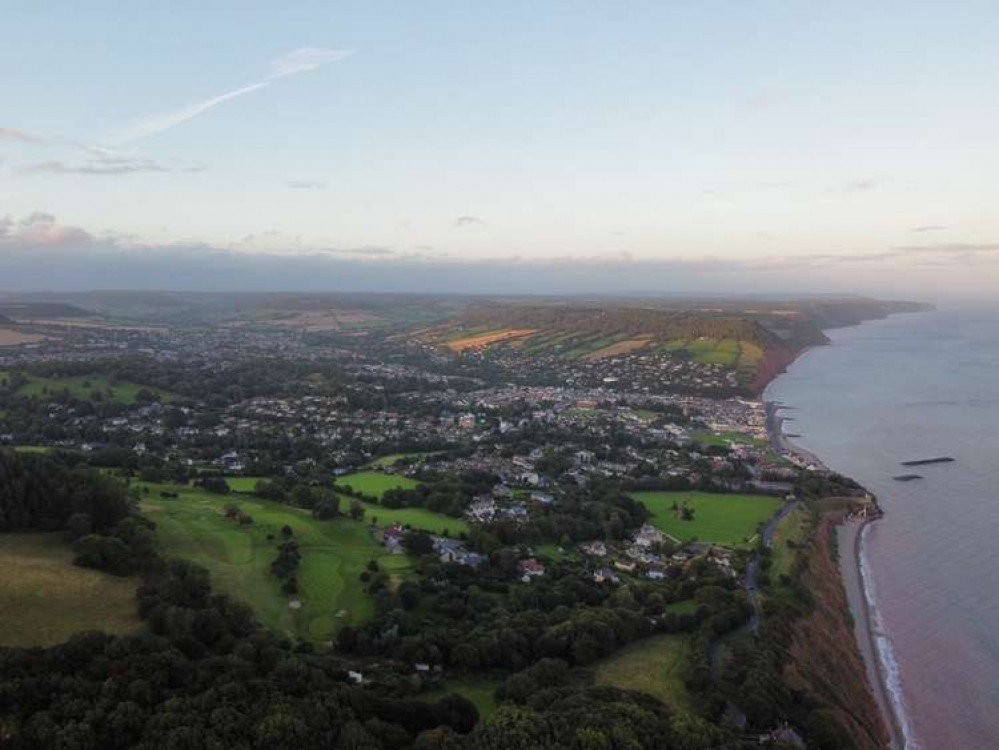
[{"x": 917, "y": 386}]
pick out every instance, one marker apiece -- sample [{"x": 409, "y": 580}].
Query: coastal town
[{"x": 643, "y": 484}]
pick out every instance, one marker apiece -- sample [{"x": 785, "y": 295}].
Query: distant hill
[{"x": 41, "y": 311}]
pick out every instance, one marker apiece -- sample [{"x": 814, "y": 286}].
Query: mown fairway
[
  {"x": 417, "y": 518},
  {"x": 334, "y": 554},
  {"x": 84, "y": 386},
  {"x": 652, "y": 665},
  {"x": 730, "y": 520},
  {"x": 375, "y": 483},
  {"x": 44, "y": 598}
]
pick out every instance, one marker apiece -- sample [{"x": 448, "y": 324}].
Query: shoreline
[{"x": 849, "y": 540}]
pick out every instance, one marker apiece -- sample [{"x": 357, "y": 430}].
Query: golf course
[{"x": 334, "y": 553}]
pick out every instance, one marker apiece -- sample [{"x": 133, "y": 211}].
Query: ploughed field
[
  {"x": 730, "y": 520},
  {"x": 44, "y": 598},
  {"x": 334, "y": 553}
]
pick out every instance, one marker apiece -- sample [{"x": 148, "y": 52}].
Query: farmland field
[
  {"x": 82, "y": 386},
  {"x": 334, "y": 554},
  {"x": 729, "y": 520},
  {"x": 10, "y": 337},
  {"x": 417, "y": 518},
  {"x": 375, "y": 483},
  {"x": 44, "y": 598},
  {"x": 652, "y": 665}
]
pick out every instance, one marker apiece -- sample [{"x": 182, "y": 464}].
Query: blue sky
[{"x": 758, "y": 145}]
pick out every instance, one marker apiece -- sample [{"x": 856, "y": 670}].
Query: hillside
[{"x": 609, "y": 335}]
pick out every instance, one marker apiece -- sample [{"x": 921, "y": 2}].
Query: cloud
[
  {"x": 19, "y": 136},
  {"x": 469, "y": 221},
  {"x": 927, "y": 228},
  {"x": 298, "y": 61},
  {"x": 40, "y": 229},
  {"x": 306, "y": 185},
  {"x": 372, "y": 251},
  {"x": 860, "y": 186},
  {"x": 950, "y": 248},
  {"x": 102, "y": 165}
]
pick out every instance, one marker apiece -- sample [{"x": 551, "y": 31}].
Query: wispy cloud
[
  {"x": 860, "y": 186},
  {"x": 106, "y": 164},
  {"x": 927, "y": 228},
  {"x": 469, "y": 221},
  {"x": 19, "y": 136},
  {"x": 305, "y": 185},
  {"x": 298, "y": 61}
]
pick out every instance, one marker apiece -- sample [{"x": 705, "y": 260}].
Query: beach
[{"x": 849, "y": 537}]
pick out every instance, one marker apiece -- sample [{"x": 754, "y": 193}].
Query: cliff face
[
  {"x": 776, "y": 357},
  {"x": 824, "y": 660}
]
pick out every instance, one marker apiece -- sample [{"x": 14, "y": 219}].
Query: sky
[{"x": 537, "y": 147}]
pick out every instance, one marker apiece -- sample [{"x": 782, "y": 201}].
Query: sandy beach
[{"x": 849, "y": 540}]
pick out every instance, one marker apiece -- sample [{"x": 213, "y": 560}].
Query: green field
[
  {"x": 480, "y": 692},
  {"x": 334, "y": 554},
  {"x": 685, "y": 607},
  {"x": 792, "y": 528},
  {"x": 44, "y": 598},
  {"x": 380, "y": 463},
  {"x": 730, "y": 520},
  {"x": 724, "y": 438},
  {"x": 243, "y": 484},
  {"x": 375, "y": 483},
  {"x": 652, "y": 665},
  {"x": 417, "y": 518},
  {"x": 82, "y": 386}
]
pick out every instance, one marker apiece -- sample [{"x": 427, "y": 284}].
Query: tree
[
  {"x": 356, "y": 510},
  {"x": 418, "y": 543}
]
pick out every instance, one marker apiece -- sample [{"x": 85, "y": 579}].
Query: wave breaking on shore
[{"x": 889, "y": 671}]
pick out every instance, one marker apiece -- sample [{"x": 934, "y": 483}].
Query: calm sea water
[{"x": 919, "y": 386}]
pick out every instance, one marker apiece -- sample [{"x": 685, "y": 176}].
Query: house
[
  {"x": 597, "y": 549},
  {"x": 392, "y": 538},
  {"x": 626, "y": 565},
  {"x": 542, "y": 497},
  {"x": 648, "y": 536},
  {"x": 655, "y": 574},
  {"x": 605, "y": 574},
  {"x": 356, "y": 677},
  {"x": 531, "y": 568}
]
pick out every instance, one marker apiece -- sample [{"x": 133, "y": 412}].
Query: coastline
[
  {"x": 850, "y": 540},
  {"x": 849, "y": 544}
]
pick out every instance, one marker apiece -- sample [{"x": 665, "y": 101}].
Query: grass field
[
  {"x": 730, "y": 520},
  {"x": 792, "y": 528},
  {"x": 82, "y": 386},
  {"x": 653, "y": 666},
  {"x": 243, "y": 484},
  {"x": 724, "y": 438},
  {"x": 685, "y": 607},
  {"x": 334, "y": 554},
  {"x": 384, "y": 461},
  {"x": 417, "y": 518},
  {"x": 479, "y": 692},
  {"x": 375, "y": 483},
  {"x": 44, "y": 598}
]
